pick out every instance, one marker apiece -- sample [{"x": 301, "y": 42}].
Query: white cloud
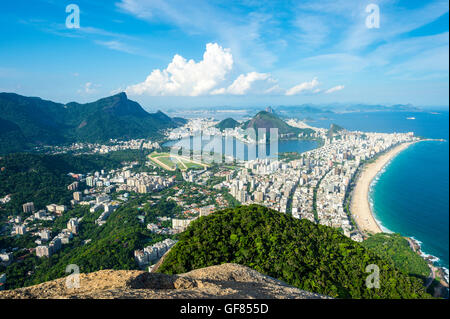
[
  {"x": 211, "y": 76},
  {"x": 188, "y": 78},
  {"x": 219, "y": 91},
  {"x": 89, "y": 88},
  {"x": 244, "y": 82},
  {"x": 313, "y": 30},
  {"x": 117, "y": 46},
  {"x": 334, "y": 89},
  {"x": 274, "y": 90},
  {"x": 253, "y": 82},
  {"x": 311, "y": 86}
]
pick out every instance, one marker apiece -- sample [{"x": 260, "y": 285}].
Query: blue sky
[{"x": 238, "y": 53}]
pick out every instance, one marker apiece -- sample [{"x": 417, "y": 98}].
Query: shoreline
[
  {"x": 360, "y": 207},
  {"x": 438, "y": 274}
]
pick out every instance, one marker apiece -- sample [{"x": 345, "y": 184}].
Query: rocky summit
[{"x": 223, "y": 281}]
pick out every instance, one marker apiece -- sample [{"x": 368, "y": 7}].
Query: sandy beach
[{"x": 360, "y": 206}]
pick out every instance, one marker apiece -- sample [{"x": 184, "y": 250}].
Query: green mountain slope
[
  {"x": 395, "y": 247},
  {"x": 268, "y": 120},
  {"x": 39, "y": 120},
  {"x": 311, "y": 257},
  {"x": 227, "y": 123},
  {"x": 45, "y": 122},
  {"x": 11, "y": 137}
]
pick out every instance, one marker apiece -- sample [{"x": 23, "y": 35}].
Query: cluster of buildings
[
  {"x": 151, "y": 254},
  {"x": 158, "y": 229},
  {"x": 204, "y": 125},
  {"x": 197, "y": 176},
  {"x": 5, "y": 257},
  {"x": 46, "y": 243},
  {"x": 180, "y": 224},
  {"x": 125, "y": 179},
  {"x": 5, "y": 199},
  {"x": 207, "y": 127},
  {"x": 102, "y": 184},
  {"x": 97, "y": 148},
  {"x": 195, "y": 198},
  {"x": 261, "y": 182},
  {"x": 55, "y": 244},
  {"x": 20, "y": 227}
]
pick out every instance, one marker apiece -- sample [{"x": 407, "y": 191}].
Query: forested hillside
[
  {"x": 30, "y": 121},
  {"x": 311, "y": 257}
]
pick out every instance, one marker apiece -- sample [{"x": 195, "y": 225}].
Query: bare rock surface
[{"x": 222, "y": 281}]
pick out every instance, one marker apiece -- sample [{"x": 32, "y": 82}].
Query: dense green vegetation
[
  {"x": 396, "y": 248},
  {"x": 11, "y": 137},
  {"x": 312, "y": 257},
  {"x": 227, "y": 123},
  {"x": 33, "y": 121}
]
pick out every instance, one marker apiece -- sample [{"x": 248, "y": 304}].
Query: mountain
[
  {"x": 334, "y": 129},
  {"x": 264, "y": 119},
  {"x": 304, "y": 109},
  {"x": 41, "y": 122},
  {"x": 11, "y": 137},
  {"x": 114, "y": 117},
  {"x": 379, "y": 108},
  {"x": 268, "y": 120},
  {"x": 270, "y": 110},
  {"x": 179, "y": 121},
  {"x": 308, "y": 256},
  {"x": 224, "y": 281},
  {"x": 227, "y": 123}
]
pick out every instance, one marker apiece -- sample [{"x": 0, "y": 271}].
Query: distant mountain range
[
  {"x": 30, "y": 121},
  {"x": 307, "y": 108},
  {"x": 308, "y": 111}
]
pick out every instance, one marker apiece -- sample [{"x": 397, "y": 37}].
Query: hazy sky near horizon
[{"x": 203, "y": 53}]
